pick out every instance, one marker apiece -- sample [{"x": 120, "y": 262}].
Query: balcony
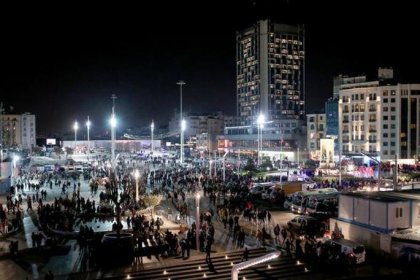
[
  {"x": 372, "y": 120},
  {"x": 345, "y": 121},
  {"x": 372, "y": 130},
  {"x": 346, "y": 131},
  {"x": 372, "y": 140},
  {"x": 346, "y": 141}
]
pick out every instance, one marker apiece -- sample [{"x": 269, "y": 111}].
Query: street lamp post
[
  {"x": 181, "y": 83},
  {"x": 339, "y": 163},
  {"x": 239, "y": 161},
  {"x": 197, "y": 221},
  {"x": 152, "y": 128},
  {"x": 136, "y": 176},
  {"x": 88, "y": 124},
  {"x": 224, "y": 167},
  {"x": 113, "y": 123},
  {"x": 281, "y": 151},
  {"x": 183, "y": 127},
  {"x": 260, "y": 123},
  {"x": 75, "y": 127}
]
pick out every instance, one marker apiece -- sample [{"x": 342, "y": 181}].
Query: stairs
[{"x": 220, "y": 268}]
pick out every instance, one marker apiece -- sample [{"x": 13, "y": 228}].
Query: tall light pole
[
  {"x": 260, "y": 123},
  {"x": 239, "y": 161},
  {"x": 181, "y": 83},
  {"x": 152, "y": 128},
  {"x": 183, "y": 127},
  {"x": 224, "y": 165},
  {"x": 113, "y": 123},
  {"x": 88, "y": 124},
  {"x": 136, "y": 176},
  {"x": 281, "y": 151},
  {"x": 75, "y": 127},
  {"x": 339, "y": 163},
  {"x": 197, "y": 221}
]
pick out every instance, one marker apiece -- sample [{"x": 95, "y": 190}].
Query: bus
[
  {"x": 323, "y": 204},
  {"x": 300, "y": 199}
]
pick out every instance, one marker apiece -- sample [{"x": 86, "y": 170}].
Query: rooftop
[{"x": 377, "y": 196}]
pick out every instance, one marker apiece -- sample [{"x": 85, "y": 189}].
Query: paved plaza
[{"x": 69, "y": 262}]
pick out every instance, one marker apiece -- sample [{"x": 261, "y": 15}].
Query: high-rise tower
[{"x": 270, "y": 72}]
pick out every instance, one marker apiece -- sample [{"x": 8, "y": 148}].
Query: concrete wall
[
  {"x": 396, "y": 220},
  {"x": 351, "y": 232},
  {"x": 361, "y": 210},
  {"x": 362, "y": 235},
  {"x": 345, "y": 207},
  {"x": 415, "y": 219},
  {"x": 378, "y": 214}
]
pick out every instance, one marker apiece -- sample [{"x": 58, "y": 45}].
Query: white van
[{"x": 350, "y": 247}]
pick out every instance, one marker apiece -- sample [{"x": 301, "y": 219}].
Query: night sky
[{"x": 64, "y": 63}]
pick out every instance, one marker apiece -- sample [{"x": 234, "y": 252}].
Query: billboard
[{"x": 51, "y": 141}]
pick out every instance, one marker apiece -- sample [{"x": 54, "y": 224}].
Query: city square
[{"x": 247, "y": 150}]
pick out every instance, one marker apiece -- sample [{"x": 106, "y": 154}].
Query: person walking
[
  {"x": 208, "y": 252},
  {"x": 277, "y": 233},
  {"x": 245, "y": 255}
]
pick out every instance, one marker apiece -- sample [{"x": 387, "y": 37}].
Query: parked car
[
  {"x": 258, "y": 189},
  {"x": 267, "y": 193},
  {"x": 352, "y": 249},
  {"x": 306, "y": 225}
]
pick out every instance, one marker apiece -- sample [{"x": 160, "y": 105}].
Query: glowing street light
[
  {"x": 113, "y": 122},
  {"x": 181, "y": 83},
  {"x": 137, "y": 176},
  {"x": 152, "y": 128},
  {"x": 75, "y": 127},
  {"x": 88, "y": 124}
]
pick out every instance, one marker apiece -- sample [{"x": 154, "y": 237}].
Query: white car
[
  {"x": 258, "y": 190},
  {"x": 267, "y": 194}
]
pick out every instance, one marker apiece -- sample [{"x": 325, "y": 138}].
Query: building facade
[
  {"x": 331, "y": 117},
  {"x": 270, "y": 80},
  {"x": 210, "y": 125},
  {"x": 270, "y": 72},
  {"x": 231, "y": 121},
  {"x": 18, "y": 130},
  {"x": 381, "y": 118},
  {"x": 316, "y": 124}
]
